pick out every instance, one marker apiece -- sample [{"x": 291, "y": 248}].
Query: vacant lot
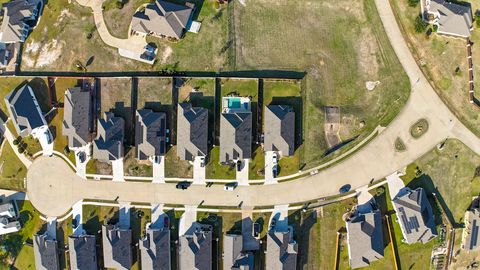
[
  {"x": 444, "y": 61},
  {"x": 341, "y": 45}
]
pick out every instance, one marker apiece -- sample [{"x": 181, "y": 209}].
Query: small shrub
[
  {"x": 435, "y": 28},
  {"x": 66, "y": 150},
  {"x": 420, "y": 24},
  {"x": 15, "y": 142},
  {"x": 413, "y": 3},
  {"x": 21, "y": 150}
]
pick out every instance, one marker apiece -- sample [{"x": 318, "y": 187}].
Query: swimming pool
[{"x": 234, "y": 103}]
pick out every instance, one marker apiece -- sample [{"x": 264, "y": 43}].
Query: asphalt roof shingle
[
  {"x": 192, "y": 131},
  {"x": 280, "y": 130},
  {"x": 77, "y": 117}
]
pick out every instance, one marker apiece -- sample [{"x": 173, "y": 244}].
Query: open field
[
  {"x": 444, "y": 62},
  {"x": 341, "y": 45}
]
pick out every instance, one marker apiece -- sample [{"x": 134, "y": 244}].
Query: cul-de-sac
[{"x": 239, "y": 134}]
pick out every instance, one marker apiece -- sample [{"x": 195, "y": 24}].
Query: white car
[
  {"x": 230, "y": 186},
  {"x": 274, "y": 159}
]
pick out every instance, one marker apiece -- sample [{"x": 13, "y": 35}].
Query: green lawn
[
  {"x": 256, "y": 168},
  {"x": 134, "y": 167},
  {"x": 13, "y": 172},
  {"x": 14, "y": 243},
  {"x": 214, "y": 170},
  {"x": 243, "y": 88}
]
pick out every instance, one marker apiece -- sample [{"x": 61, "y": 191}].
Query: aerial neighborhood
[{"x": 238, "y": 134}]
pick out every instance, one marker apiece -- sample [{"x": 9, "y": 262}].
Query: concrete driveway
[
  {"x": 242, "y": 175},
  {"x": 188, "y": 218},
  {"x": 199, "y": 171},
  {"x": 159, "y": 170},
  {"x": 269, "y": 179},
  {"x": 77, "y": 214},
  {"x": 133, "y": 43},
  {"x": 117, "y": 170},
  {"x": 280, "y": 214}
]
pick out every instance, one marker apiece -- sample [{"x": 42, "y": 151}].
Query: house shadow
[
  {"x": 120, "y": 110},
  {"x": 302, "y": 229},
  {"x": 425, "y": 181},
  {"x": 297, "y": 104},
  {"x": 41, "y": 91}
]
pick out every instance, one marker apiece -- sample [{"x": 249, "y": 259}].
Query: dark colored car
[
  {"x": 273, "y": 223},
  {"x": 275, "y": 171},
  {"x": 74, "y": 223},
  {"x": 165, "y": 222},
  {"x": 256, "y": 229},
  {"x": 239, "y": 165},
  {"x": 183, "y": 185},
  {"x": 344, "y": 189}
]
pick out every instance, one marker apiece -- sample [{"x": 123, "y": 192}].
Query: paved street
[{"x": 53, "y": 187}]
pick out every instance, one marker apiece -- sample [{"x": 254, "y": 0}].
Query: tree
[
  {"x": 420, "y": 24},
  {"x": 413, "y": 3}
]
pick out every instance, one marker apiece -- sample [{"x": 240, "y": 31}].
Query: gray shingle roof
[
  {"x": 281, "y": 251},
  {"x": 45, "y": 252},
  {"x": 280, "y": 130},
  {"x": 415, "y": 216},
  {"x": 195, "y": 249},
  {"x": 150, "y": 132},
  {"x": 471, "y": 239},
  {"x": 192, "y": 131},
  {"x": 77, "y": 117},
  {"x": 235, "y": 136},
  {"x": 233, "y": 256},
  {"x": 365, "y": 239},
  {"x": 16, "y": 14},
  {"x": 24, "y": 110},
  {"x": 117, "y": 247},
  {"x": 109, "y": 142},
  {"x": 155, "y": 249},
  {"x": 452, "y": 19},
  {"x": 83, "y": 253},
  {"x": 162, "y": 18}
]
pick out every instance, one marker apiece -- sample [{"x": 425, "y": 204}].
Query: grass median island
[
  {"x": 444, "y": 61},
  {"x": 419, "y": 128}
]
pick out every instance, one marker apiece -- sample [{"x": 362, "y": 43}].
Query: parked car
[
  {"x": 81, "y": 156},
  {"x": 230, "y": 186},
  {"x": 165, "y": 222},
  {"x": 256, "y": 230},
  {"x": 274, "y": 159},
  {"x": 275, "y": 171},
  {"x": 345, "y": 188},
  {"x": 313, "y": 172},
  {"x": 202, "y": 162},
  {"x": 74, "y": 223},
  {"x": 239, "y": 165},
  {"x": 157, "y": 159},
  {"x": 183, "y": 185}
]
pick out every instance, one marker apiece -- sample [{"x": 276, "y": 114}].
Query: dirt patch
[
  {"x": 367, "y": 50},
  {"x": 64, "y": 14},
  {"x": 38, "y": 56},
  {"x": 166, "y": 53},
  {"x": 332, "y": 126}
]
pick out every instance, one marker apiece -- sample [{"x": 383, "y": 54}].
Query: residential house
[
  {"x": 155, "y": 248},
  {"x": 83, "y": 252},
  {"x": 415, "y": 215},
  {"x": 108, "y": 146},
  {"x": 27, "y": 116},
  {"x": 235, "y": 129},
  {"x": 470, "y": 236},
  {"x": 279, "y": 129},
  {"x": 365, "y": 238},
  {"x": 150, "y": 134},
  {"x": 192, "y": 131},
  {"x": 77, "y": 117},
  {"x": 7, "y": 52},
  {"x": 281, "y": 251},
  {"x": 46, "y": 252},
  {"x": 162, "y": 19},
  {"x": 117, "y": 247},
  {"x": 195, "y": 248},
  {"x": 234, "y": 257},
  {"x": 8, "y": 218},
  {"x": 19, "y": 18},
  {"x": 451, "y": 18}
]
